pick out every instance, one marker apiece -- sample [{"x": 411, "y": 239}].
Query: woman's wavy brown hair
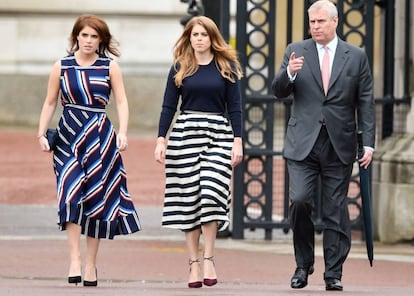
[
  {"x": 107, "y": 45},
  {"x": 185, "y": 61}
]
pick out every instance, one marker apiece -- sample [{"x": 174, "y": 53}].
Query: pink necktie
[{"x": 325, "y": 70}]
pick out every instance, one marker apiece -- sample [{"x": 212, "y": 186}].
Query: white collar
[{"x": 331, "y": 45}]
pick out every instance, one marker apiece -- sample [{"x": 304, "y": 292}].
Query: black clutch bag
[{"x": 51, "y": 136}]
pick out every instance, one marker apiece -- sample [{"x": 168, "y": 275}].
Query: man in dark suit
[{"x": 321, "y": 137}]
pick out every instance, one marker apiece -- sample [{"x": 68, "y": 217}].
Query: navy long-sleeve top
[{"x": 205, "y": 91}]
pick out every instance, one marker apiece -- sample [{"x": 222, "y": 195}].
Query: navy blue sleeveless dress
[{"x": 91, "y": 179}]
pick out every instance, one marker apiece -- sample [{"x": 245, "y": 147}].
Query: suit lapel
[
  {"x": 341, "y": 56},
  {"x": 313, "y": 60}
]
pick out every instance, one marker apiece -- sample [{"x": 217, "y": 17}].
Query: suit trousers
[{"x": 335, "y": 176}]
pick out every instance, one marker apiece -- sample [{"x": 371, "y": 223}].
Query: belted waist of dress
[
  {"x": 200, "y": 112},
  {"x": 86, "y": 108}
]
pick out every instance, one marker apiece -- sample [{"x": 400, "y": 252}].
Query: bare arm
[
  {"x": 121, "y": 104},
  {"x": 49, "y": 105}
]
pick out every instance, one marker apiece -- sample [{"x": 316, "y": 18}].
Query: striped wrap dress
[{"x": 91, "y": 178}]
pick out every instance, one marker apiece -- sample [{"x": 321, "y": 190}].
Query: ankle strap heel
[
  {"x": 210, "y": 282},
  {"x": 197, "y": 284}
]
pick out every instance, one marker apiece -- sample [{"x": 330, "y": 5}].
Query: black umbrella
[{"x": 364, "y": 179}]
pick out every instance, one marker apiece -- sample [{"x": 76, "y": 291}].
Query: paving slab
[{"x": 34, "y": 259}]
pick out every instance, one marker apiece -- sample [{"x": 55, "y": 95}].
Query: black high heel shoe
[
  {"x": 91, "y": 283},
  {"x": 74, "y": 279}
]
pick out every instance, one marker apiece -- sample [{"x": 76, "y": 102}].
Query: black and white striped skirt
[{"x": 198, "y": 172}]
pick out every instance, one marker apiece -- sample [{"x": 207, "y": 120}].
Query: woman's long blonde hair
[{"x": 185, "y": 60}]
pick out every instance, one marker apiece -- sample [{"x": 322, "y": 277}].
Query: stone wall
[
  {"x": 393, "y": 189},
  {"x": 36, "y": 35},
  {"x": 22, "y": 96},
  {"x": 393, "y": 166}
]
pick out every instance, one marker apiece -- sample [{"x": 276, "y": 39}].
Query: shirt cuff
[
  {"x": 369, "y": 148},
  {"x": 291, "y": 78}
]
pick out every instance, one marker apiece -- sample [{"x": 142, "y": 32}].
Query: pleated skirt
[
  {"x": 91, "y": 178},
  {"x": 198, "y": 172}
]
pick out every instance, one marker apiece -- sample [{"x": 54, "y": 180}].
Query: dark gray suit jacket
[{"x": 348, "y": 106}]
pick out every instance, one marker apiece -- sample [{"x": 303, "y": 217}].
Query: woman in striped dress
[
  {"x": 203, "y": 145},
  {"x": 91, "y": 179}
]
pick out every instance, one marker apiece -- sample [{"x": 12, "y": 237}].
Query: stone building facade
[{"x": 35, "y": 35}]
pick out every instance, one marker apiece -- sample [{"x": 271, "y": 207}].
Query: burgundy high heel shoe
[
  {"x": 197, "y": 284},
  {"x": 210, "y": 282}
]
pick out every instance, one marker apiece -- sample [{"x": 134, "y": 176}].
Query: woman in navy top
[{"x": 204, "y": 143}]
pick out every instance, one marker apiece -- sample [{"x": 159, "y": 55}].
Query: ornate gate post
[{"x": 253, "y": 179}]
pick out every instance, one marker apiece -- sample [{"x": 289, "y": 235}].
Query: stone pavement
[
  {"x": 33, "y": 252},
  {"x": 33, "y": 261}
]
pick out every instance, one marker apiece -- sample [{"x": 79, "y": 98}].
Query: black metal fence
[
  {"x": 263, "y": 30},
  {"x": 265, "y": 27}
]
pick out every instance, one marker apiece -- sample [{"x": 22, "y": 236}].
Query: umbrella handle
[{"x": 360, "y": 144}]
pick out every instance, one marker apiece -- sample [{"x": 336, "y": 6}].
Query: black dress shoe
[
  {"x": 300, "y": 277},
  {"x": 333, "y": 285}
]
